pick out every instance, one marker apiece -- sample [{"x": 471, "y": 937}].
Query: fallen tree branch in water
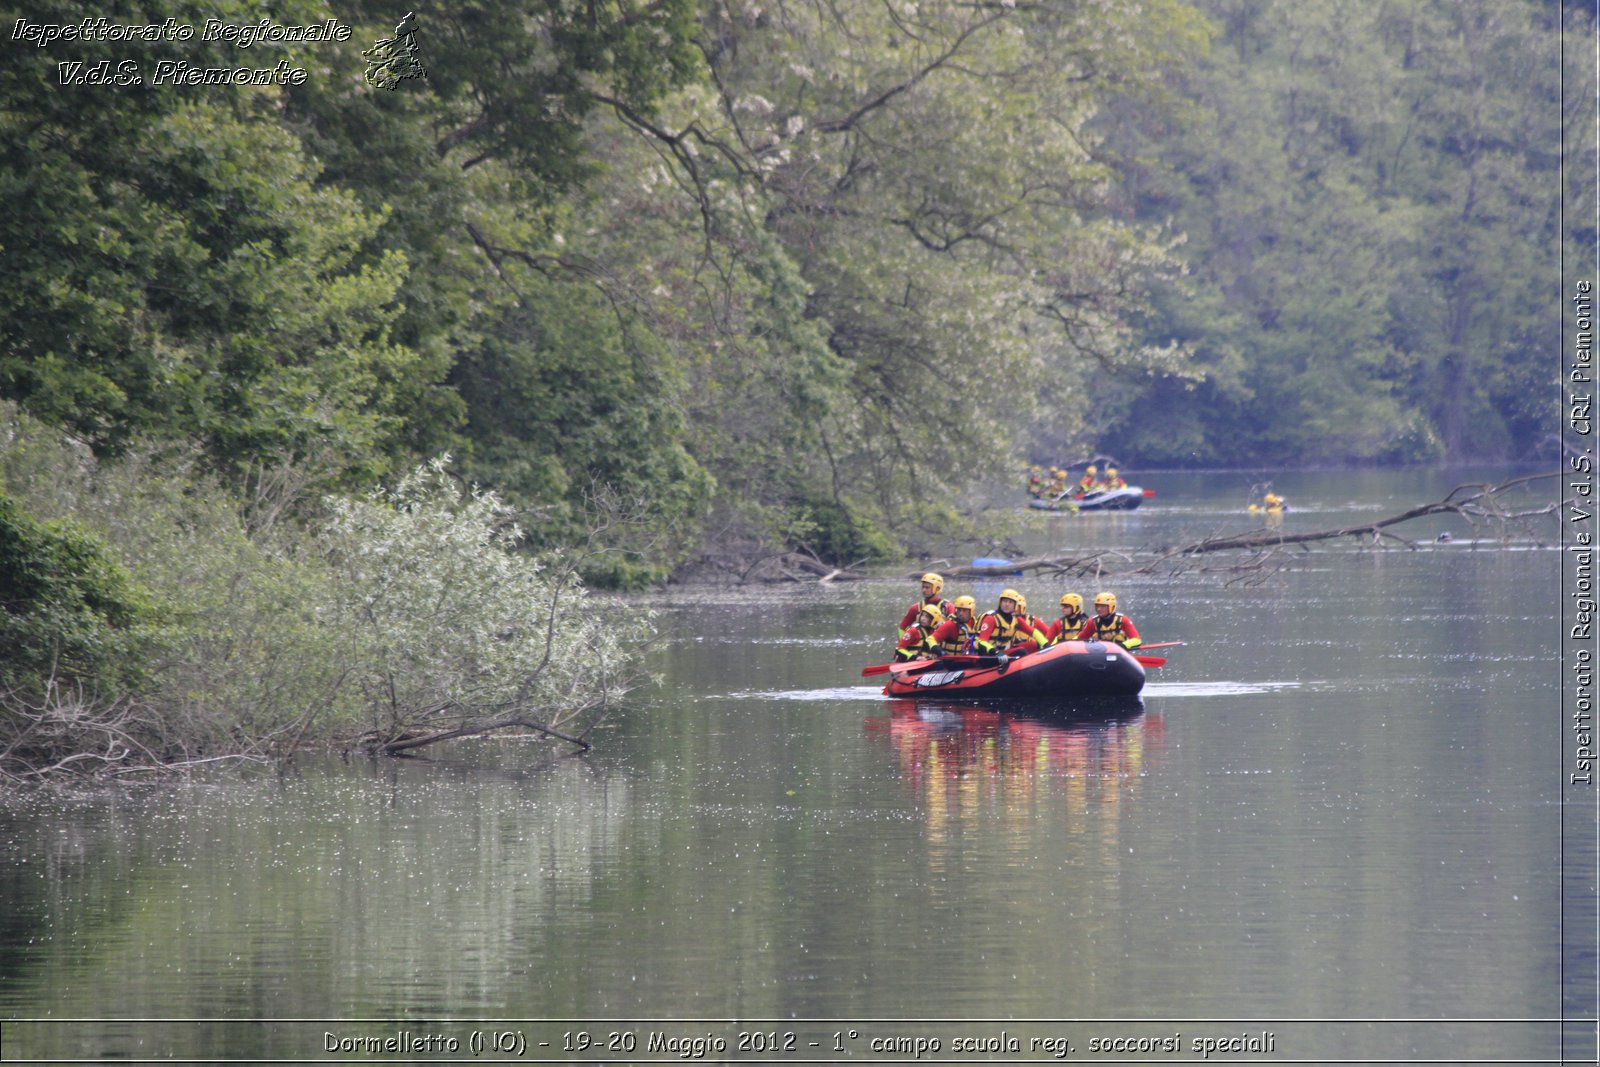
[
  {"x": 164, "y": 768},
  {"x": 1477, "y": 503},
  {"x": 1089, "y": 566},
  {"x": 408, "y": 743},
  {"x": 797, "y": 567},
  {"x": 1480, "y": 504}
]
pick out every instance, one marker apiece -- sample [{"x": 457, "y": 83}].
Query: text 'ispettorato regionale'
[{"x": 128, "y": 71}]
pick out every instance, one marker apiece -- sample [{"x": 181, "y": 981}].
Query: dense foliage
[
  {"x": 1372, "y": 195},
  {"x": 693, "y": 281},
  {"x": 727, "y": 259},
  {"x": 69, "y": 614},
  {"x": 410, "y": 610}
]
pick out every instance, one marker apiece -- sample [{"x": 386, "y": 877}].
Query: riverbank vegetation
[
  {"x": 691, "y": 284},
  {"x": 157, "y": 622}
]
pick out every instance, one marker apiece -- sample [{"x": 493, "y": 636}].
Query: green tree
[
  {"x": 571, "y": 401},
  {"x": 1361, "y": 189},
  {"x": 174, "y": 269},
  {"x": 917, "y": 183},
  {"x": 69, "y": 613}
]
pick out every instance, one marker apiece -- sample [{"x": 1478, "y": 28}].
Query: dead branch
[
  {"x": 801, "y": 566},
  {"x": 407, "y": 743},
  {"x": 1475, "y": 502},
  {"x": 1089, "y": 566},
  {"x": 164, "y": 768}
]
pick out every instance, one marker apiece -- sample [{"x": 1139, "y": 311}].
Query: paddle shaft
[
  {"x": 989, "y": 661},
  {"x": 960, "y": 659}
]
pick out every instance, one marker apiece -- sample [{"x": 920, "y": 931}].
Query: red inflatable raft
[{"x": 1069, "y": 669}]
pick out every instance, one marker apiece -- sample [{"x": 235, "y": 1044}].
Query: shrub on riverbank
[
  {"x": 409, "y": 611},
  {"x": 69, "y": 614}
]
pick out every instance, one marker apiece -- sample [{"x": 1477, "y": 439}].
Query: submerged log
[
  {"x": 409, "y": 741},
  {"x": 797, "y": 567}
]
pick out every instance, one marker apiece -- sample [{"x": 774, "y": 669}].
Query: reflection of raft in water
[
  {"x": 1068, "y": 670},
  {"x": 1125, "y": 499}
]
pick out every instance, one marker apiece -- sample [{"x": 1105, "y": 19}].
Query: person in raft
[
  {"x": 932, "y": 588},
  {"x": 1089, "y": 483},
  {"x": 1109, "y": 625},
  {"x": 1033, "y": 626},
  {"x": 1113, "y": 480},
  {"x": 957, "y": 635},
  {"x": 917, "y": 640},
  {"x": 1005, "y": 628},
  {"x": 1070, "y": 624}
]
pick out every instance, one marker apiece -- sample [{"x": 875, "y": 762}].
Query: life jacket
[
  {"x": 914, "y": 643},
  {"x": 1110, "y": 627},
  {"x": 961, "y": 642},
  {"x": 1071, "y": 627},
  {"x": 910, "y": 617},
  {"x": 1006, "y": 630}
]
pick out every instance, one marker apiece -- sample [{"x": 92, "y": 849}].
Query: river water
[{"x": 1332, "y": 830}]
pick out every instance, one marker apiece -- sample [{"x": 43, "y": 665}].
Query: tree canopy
[
  {"x": 745, "y": 275},
  {"x": 1371, "y": 196}
]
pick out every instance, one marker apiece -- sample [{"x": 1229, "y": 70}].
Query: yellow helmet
[
  {"x": 933, "y": 611},
  {"x": 1109, "y": 599},
  {"x": 934, "y": 580},
  {"x": 1111, "y": 472},
  {"x": 1009, "y": 594},
  {"x": 1022, "y": 604},
  {"x": 965, "y": 602},
  {"x": 1092, "y": 469},
  {"x": 1072, "y": 600}
]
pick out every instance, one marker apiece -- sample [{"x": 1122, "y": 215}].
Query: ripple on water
[
  {"x": 1160, "y": 689},
  {"x": 845, "y": 692},
  {"x": 1216, "y": 689}
]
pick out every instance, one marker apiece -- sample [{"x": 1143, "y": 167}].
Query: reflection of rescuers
[
  {"x": 917, "y": 640},
  {"x": 1108, "y": 624},
  {"x": 955, "y": 636},
  {"x": 932, "y": 587},
  {"x": 1070, "y": 624},
  {"x": 1007, "y": 628}
]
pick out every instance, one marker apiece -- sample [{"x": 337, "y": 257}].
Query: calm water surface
[{"x": 1337, "y": 808}]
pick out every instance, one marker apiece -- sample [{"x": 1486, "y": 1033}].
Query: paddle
[
  {"x": 988, "y": 661},
  {"x": 925, "y": 664}
]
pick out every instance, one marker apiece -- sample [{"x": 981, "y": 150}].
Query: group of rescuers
[
  {"x": 1055, "y": 485},
  {"x": 934, "y": 627}
]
